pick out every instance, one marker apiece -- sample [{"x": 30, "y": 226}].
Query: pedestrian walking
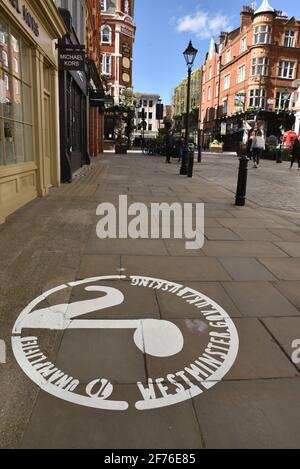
[
  {"x": 296, "y": 153},
  {"x": 169, "y": 147},
  {"x": 257, "y": 147},
  {"x": 249, "y": 144},
  {"x": 181, "y": 145}
]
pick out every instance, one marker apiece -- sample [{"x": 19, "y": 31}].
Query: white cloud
[{"x": 203, "y": 24}]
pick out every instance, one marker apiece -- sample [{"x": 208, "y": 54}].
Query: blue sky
[{"x": 164, "y": 28}]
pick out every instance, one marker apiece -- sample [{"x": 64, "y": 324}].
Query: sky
[{"x": 164, "y": 28}]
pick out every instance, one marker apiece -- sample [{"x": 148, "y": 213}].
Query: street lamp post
[{"x": 189, "y": 55}]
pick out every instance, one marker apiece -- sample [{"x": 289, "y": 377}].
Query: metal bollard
[
  {"x": 184, "y": 162},
  {"x": 242, "y": 182},
  {"x": 199, "y": 154},
  {"x": 190, "y": 168},
  {"x": 279, "y": 156}
]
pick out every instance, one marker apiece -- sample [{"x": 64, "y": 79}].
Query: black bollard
[
  {"x": 279, "y": 155},
  {"x": 183, "y": 169},
  {"x": 242, "y": 182},
  {"x": 190, "y": 168},
  {"x": 199, "y": 154}
]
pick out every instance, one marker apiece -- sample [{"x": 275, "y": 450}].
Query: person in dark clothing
[
  {"x": 181, "y": 145},
  {"x": 169, "y": 147},
  {"x": 296, "y": 153}
]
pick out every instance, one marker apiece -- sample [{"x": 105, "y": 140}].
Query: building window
[
  {"x": 281, "y": 100},
  {"x": 262, "y": 35},
  {"x": 150, "y": 103},
  {"x": 225, "y": 106},
  {"x": 103, "y": 5},
  {"x": 257, "y": 98},
  {"x": 226, "y": 82},
  {"x": 204, "y": 77},
  {"x": 287, "y": 69},
  {"x": 106, "y": 34},
  {"x": 145, "y": 103},
  {"x": 243, "y": 44},
  {"x": 150, "y": 127},
  {"x": 289, "y": 38},
  {"x": 150, "y": 115},
  {"x": 210, "y": 72},
  {"x": 260, "y": 66},
  {"x": 217, "y": 89},
  {"x": 241, "y": 74},
  {"x": 209, "y": 94},
  {"x": 106, "y": 64},
  {"x": 216, "y": 112},
  {"x": 16, "y": 123},
  {"x": 228, "y": 56}
]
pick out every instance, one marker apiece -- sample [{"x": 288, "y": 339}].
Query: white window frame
[
  {"x": 241, "y": 77},
  {"x": 217, "y": 90},
  {"x": 226, "y": 83},
  {"x": 283, "y": 104},
  {"x": 283, "y": 67},
  {"x": 257, "y": 98},
  {"x": 106, "y": 64},
  {"x": 228, "y": 56},
  {"x": 243, "y": 44},
  {"x": 106, "y": 26},
  {"x": 103, "y": 5},
  {"x": 225, "y": 100},
  {"x": 210, "y": 72},
  {"x": 262, "y": 34},
  {"x": 209, "y": 93},
  {"x": 289, "y": 39},
  {"x": 260, "y": 66}
]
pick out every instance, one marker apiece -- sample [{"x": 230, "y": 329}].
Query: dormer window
[
  {"x": 262, "y": 35},
  {"x": 289, "y": 38}
]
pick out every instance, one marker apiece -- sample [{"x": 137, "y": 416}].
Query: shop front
[
  {"x": 73, "y": 101},
  {"x": 29, "y": 130}
]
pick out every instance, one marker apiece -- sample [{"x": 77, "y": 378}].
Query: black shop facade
[{"x": 73, "y": 102}]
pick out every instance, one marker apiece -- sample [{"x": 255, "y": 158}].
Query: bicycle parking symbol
[{"x": 161, "y": 341}]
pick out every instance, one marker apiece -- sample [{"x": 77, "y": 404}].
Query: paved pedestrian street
[{"x": 141, "y": 343}]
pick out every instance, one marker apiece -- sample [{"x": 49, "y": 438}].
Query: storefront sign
[
  {"x": 72, "y": 57},
  {"x": 200, "y": 366},
  {"x": 27, "y": 16}
]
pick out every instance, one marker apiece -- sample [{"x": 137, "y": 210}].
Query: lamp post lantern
[{"x": 189, "y": 54}]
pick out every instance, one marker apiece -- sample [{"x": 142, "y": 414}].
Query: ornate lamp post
[{"x": 189, "y": 54}]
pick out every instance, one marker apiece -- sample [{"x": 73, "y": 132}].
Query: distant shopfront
[{"x": 29, "y": 132}]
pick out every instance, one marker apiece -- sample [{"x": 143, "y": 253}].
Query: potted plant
[
  {"x": 121, "y": 145},
  {"x": 216, "y": 146}
]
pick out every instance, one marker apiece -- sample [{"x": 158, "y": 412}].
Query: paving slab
[
  {"x": 177, "y": 247},
  {"x": 285, "y": 331},
  {"x": 291, "y": 290},
  {"x": 93, "y": 265},
  {"x": 259, "y": 356},
  {"x": 259, "y": 299},
  {"x": 246, "y": 269},
  {"x": 175, "y": 268},
  {"x": 286, "y": 235},
  {"x": 254, "y": 414},
  {"x": 84, "y": 428},
  {"x": 254, "y": 223},
  {"x": 171, "y": 307},
  {"x": 291, "y": 248},
  {"x": 221, "y": 234},
  {"x": 256, "y": 234},
  {"x": 283, "y": 269},
  {"x": 242, "y": 249},
  {"x": 141, "y": 247}
]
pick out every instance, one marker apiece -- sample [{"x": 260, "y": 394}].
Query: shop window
[
  {"x": 257, "y": 98},
  {"x": 260, "y": 66},
  {"x": 287, "y": 69},
  {"x": 15, "y": 98},
  {"x": 262, "y": 34}
]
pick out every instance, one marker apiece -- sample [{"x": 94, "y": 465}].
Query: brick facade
[
  {"x": 250, "y": 68},
  {"x": 96, "y": 118}
]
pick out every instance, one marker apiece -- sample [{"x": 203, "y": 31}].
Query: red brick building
[
  {"x": 249, "y": 76},
  {"x": 96, "y": 114},
  {"x": 117, "y": 38}
]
